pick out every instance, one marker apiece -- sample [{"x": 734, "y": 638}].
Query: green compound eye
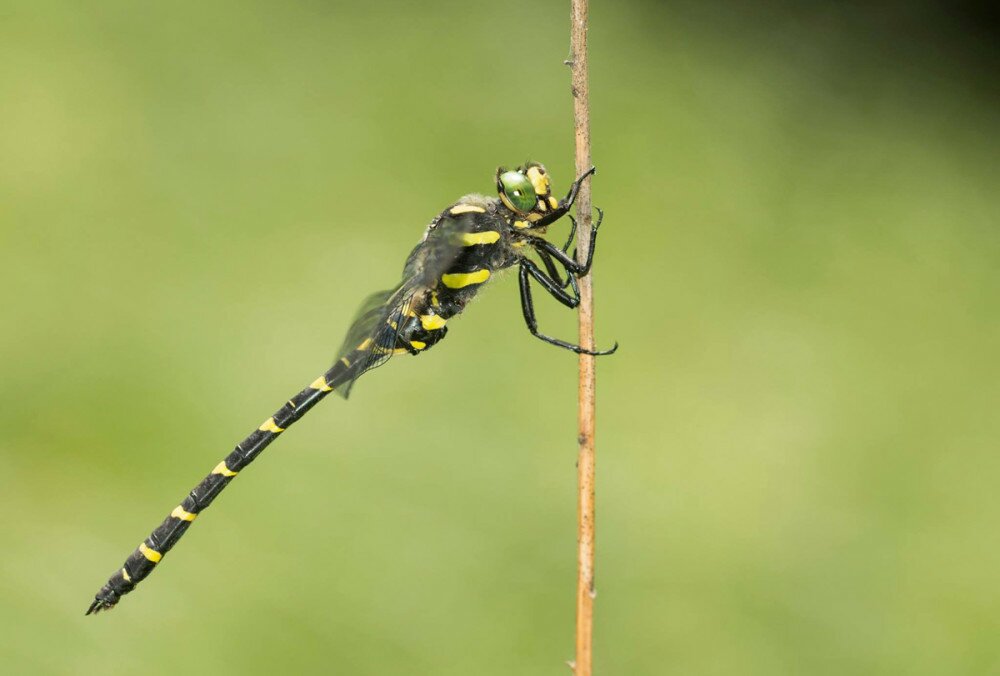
[{"x": 518, "y": 191}]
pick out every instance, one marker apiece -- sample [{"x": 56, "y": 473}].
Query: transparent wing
[
  {"x": 371, "y": 340},
  {"x": 370, "y": 316},
  {"x": 374, "y": 334}
]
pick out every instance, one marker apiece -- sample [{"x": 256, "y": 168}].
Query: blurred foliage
[{"x": 797, "y": 440}]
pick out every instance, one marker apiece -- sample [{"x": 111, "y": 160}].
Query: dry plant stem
[{"x": 587, "y": 387}]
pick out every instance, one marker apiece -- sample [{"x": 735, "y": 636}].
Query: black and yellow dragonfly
[{"x": 461, "y": 249}]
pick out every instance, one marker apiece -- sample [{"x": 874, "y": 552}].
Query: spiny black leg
[
  {"x": 564, "y": 258},
  {"x": 571, "y": 282},
  {"x": 573, "y": 285},
  {"x": 553, "y": 272},
  {"x": 572, "y": 234},
  {"x": 571, "y": 278},
  {"x": 551, "y": 285},
  {"x": 528, "y": 308},
  {"x": 550, "y": 267},
  {"x": 575, "y": 188}
]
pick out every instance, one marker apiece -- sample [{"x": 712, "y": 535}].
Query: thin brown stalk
[{"x": 587, "y": 387}]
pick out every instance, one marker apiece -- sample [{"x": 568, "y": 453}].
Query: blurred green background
[{"x": 797, "y": 440}]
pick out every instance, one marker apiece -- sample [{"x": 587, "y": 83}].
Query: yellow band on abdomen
[
  {"x": 320, "y": 384},
  {"x": 150, "y": 554},
  {"x": 223, "y": 469},
  {"x": 270, "y": 426},
  {"x": 182, "y": 514}
]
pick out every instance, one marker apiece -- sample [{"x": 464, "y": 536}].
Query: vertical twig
[{"x": 587, "y": 387}]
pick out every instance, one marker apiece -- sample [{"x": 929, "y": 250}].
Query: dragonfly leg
[
  {"x": 528, "y": 270},
  {"x": 572, "y": 234},
  {"x": 528, "y": 267},
  {"x": 553, "y": 272},
  {"x": 550, "y": 268},
  {"x": 567, "y": 261}
]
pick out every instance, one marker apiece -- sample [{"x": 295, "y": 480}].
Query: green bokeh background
[{"x": 797, "y": 441}]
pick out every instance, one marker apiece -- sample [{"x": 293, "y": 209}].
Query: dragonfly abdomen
[{"x": 143, "y": 560}]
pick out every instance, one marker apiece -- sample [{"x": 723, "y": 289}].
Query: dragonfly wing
[
  {"x": 374, "y": 334},
  {"x": 371, "y": 338}
]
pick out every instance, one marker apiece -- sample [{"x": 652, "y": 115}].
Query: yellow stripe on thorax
[
  {"x": 150, "y": 554},
  {"x": 270, "y": 426},
  {"x": 466, "y": 209},
  {"x": 474, "y": 238},
  {"x": 458, "y": 280},
  {"x": 223, "y": 469},
  {"x": 182, "y": 514}
]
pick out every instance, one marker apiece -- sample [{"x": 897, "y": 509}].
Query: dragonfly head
[{"x": 525, "y": 190}]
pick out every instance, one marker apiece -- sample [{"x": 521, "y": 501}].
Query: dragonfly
[{"x": 462, "y": 248}]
